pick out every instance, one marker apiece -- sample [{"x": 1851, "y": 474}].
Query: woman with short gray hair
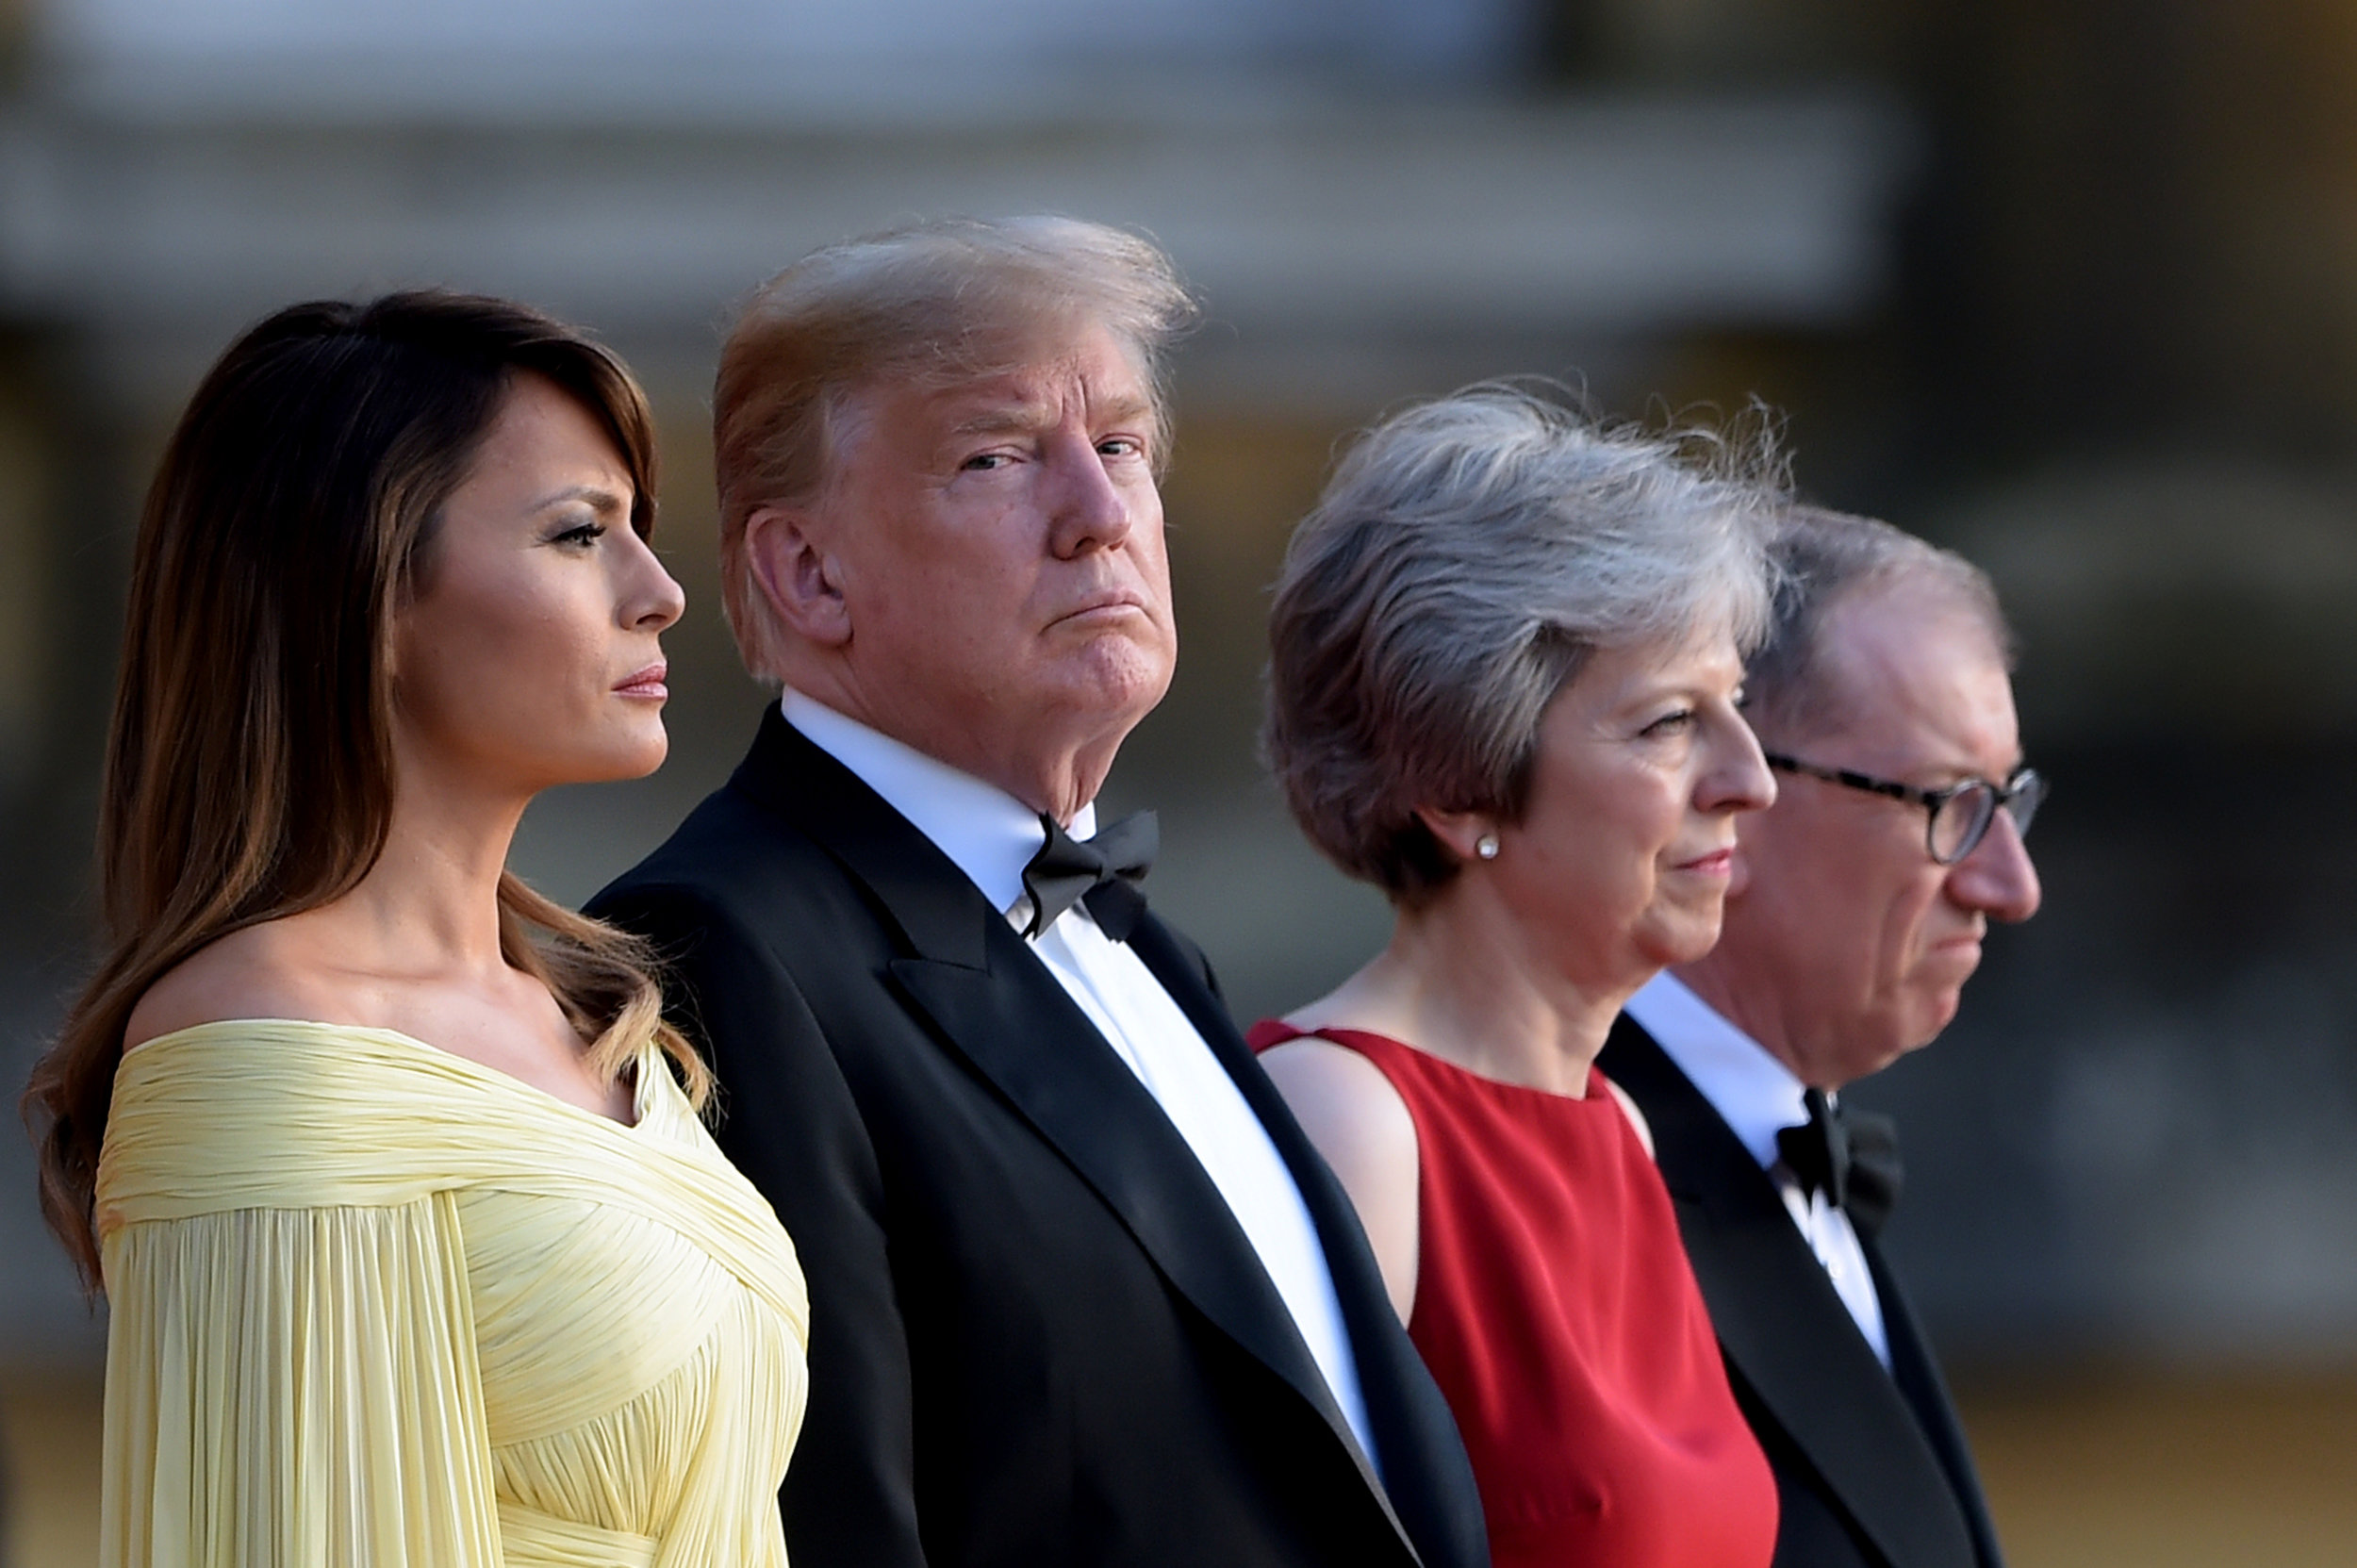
[{"x": 1506, "y": 659}]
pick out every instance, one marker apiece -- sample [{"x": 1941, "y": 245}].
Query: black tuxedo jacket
[
  {"x": 1872, "y": 1467},
  {"x": 1038, "y": 1335}
]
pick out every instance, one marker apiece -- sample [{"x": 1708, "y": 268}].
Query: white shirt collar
[
  {"x": 1755, "y": 1095},
  {"x": 989, "y": 835}
]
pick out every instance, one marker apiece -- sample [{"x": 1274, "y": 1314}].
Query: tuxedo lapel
[
  {"x": 1022, "y": 1032},
  {"x": 939, "y": 912},
  {"x": 1916, "y": 1373},
  {"x": 1359, "y": 1284},
  {"x": 990, "y": 998},
  {"x": 1784, "y": 1329}
]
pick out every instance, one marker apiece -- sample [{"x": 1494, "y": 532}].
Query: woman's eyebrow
[{"x": 598, "y": 496}]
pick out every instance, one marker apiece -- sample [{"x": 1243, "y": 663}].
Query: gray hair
[
  {"x": 1465, "y": 559},
  {"x": 1821, "y": 558},
  {"x": 938, "y": 302}
]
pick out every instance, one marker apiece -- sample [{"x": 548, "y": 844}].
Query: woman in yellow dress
[{"x": 416, "y": 1249}]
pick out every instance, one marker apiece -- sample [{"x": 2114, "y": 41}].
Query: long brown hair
[{"x": 249, "y": 765}]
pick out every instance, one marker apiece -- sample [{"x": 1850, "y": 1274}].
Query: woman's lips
[
  {"x": 1719, "y": 863},
  {"x": 646, "y": 683}
]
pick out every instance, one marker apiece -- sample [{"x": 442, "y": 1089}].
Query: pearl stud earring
[{"x": 1486, "y": 846}]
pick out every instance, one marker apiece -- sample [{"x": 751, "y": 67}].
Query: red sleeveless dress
[{"x": 1556, "y": 1310}]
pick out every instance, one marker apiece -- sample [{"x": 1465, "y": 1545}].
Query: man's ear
[{"x": 801, "y": 582}]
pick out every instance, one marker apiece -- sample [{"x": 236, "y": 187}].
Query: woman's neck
[
  {"x": 429, "y": 904},
  {"x": 1464, "y": 984}
]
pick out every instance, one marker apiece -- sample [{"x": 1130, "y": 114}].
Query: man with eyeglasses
[{"x": 1855, "y": 913}]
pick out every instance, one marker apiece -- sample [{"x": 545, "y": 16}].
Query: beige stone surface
[
  {"x": 49, "y": 1441},
  {"x": 2146, "y": 1472}
]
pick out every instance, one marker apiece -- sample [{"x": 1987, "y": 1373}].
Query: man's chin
[
  {"x": 1929, "y": 1024},
  {"x": 1117, "y": 676},
  {"x": 1875, "y": 1040}
]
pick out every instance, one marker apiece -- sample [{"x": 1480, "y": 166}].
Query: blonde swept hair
[{"x": 933, "y": 303}]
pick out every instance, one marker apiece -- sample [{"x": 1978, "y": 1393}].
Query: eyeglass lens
[{"x": 1963, "y": 820}]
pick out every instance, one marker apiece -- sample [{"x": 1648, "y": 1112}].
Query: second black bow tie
[
  {"x": 1849, "y": 1156},
  {"x": 1103, "y": 872}
]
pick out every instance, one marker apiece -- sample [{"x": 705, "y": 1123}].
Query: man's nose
[
  {"x": 1997, "y": 878},
  {"x": 1086, "y": 509}
]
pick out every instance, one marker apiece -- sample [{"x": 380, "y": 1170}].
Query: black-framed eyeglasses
[{"x": 1960, "y": 814}]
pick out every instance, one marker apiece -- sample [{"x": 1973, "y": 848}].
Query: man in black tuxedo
[
  {"x": 1854, "y": 916},
  {"x": 1081, "y": 1292}
]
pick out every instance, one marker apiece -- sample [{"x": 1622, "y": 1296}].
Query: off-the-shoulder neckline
[{"x": 641, "y": 1091}]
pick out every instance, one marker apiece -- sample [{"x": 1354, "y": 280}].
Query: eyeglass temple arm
[{"x": 1928, "y": 797}]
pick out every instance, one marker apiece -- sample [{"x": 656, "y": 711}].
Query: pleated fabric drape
[{"x": 374, "y": 1304}]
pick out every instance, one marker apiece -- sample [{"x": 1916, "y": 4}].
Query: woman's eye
[
  {"x": 1670, "y": 723},
  {"x": 580, "y": 536}
]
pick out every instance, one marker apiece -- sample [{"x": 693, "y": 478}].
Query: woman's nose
[
  {"x": 1738, "y": 778},
  {"x": 654, "y": 599}
]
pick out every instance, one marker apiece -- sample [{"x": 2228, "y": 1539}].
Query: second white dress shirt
[{"x": 1758, "y": 1097}]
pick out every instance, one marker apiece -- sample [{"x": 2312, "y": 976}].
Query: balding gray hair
[
  {"x": 1823, "y": 558},
  {"x": 1465, "y": 559}
]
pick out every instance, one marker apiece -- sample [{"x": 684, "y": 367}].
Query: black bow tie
[
  {"x": 1102, "y": 872},
  {"x": 1849, "y": 1156}
]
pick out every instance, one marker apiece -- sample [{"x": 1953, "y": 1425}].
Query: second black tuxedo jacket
[
  {"x": 1872, "y": 1467},
  {"x": 1038, "y": 1335}
]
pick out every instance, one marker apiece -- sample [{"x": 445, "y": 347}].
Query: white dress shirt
[
  {"x": 1758, "y": 1097},
  {"x": 991, "y": 836}
]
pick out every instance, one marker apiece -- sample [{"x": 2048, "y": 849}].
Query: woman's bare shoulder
[
  {"x": 1359, "y": 1123},
  {"x": 1636, "y": 1115},
  {"x": 262, "y": 971},
  {"x": 1346, "y": 1104},
  {"x": 1312, "y": 1068}
]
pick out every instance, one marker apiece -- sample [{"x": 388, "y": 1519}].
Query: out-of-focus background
[{"x": 2068, "y": 284}]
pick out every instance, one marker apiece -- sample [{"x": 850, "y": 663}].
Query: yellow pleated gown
[{"x": 374, "y": 1305}]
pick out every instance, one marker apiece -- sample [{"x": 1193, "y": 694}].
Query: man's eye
[
  {"x": 1120, "y": 445},
  {"x": 983, "y": 462}
]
